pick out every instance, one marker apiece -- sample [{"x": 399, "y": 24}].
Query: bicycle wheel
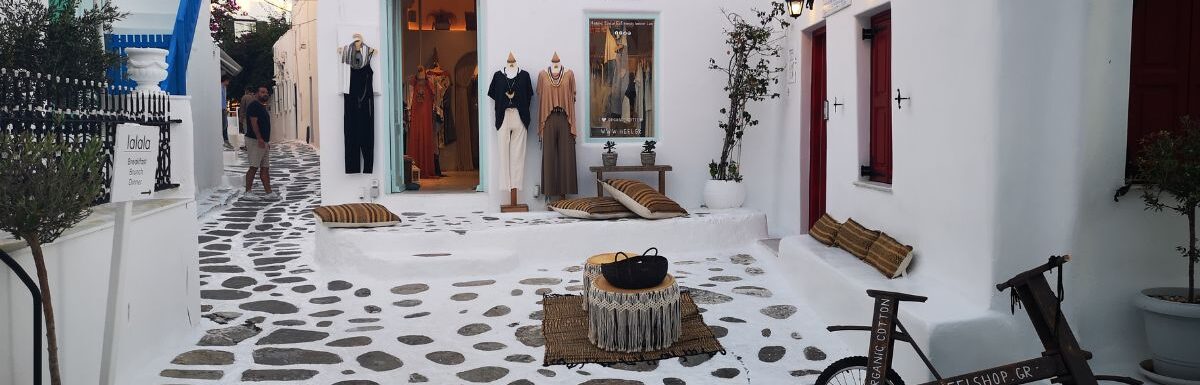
[{"x": 852, "y": 371}]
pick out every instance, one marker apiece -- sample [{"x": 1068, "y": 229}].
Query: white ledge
[{"x": 887, "y": 188}]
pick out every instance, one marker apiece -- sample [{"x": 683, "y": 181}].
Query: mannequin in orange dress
[{"x": 420, "y": 144}]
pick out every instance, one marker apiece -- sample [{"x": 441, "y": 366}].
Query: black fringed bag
[{"x": 637, "y": 272}]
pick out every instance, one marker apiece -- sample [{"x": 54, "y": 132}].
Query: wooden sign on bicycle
[{"x": 1062, "y": 359}]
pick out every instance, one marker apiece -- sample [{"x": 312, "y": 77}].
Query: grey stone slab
[
  {"x": 484, "y": 282},
  {"x": 474, "y": 329},
  {"x": 224, "y": 294},
  {"x": 291, "y": 336},
  {"x": 812, "y": 353},
  {"x": 270, "y": 306},
  {"x": 350, "y": 342},
  {"x": 541, "y": 281},
  {"x": 531, "y": 336},
  {"x": 204, "y": 357},
  {"x": 753, "y": 291},
  {"x": 489, "y": 346},
  {"x": 726, "y": 373},
  {"x": 520, "y": 358},
  {"x": 483, "y": 374},
  {"x": 409, "y": 289},
  {"x": 771, "y": 354},
  {"x": 293, "y": 356},
  {"x": 379, "y": 361},
  {"x": 778, "y": 311},
  {"x": 446, "y": 357},
  {"x": 193, "y": 374},
  {"x": 705, "y": 297},
  {"x": 229, "y": 336},
  {"x": 415, "y": 340},
  {"x": 256, "y": 375},
  {"x": 497, "y": 311}
]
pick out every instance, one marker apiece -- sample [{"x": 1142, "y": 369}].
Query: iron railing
[{"x": 76, "y": 111}]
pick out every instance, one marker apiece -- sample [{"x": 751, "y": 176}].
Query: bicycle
[{"x": 1063, "y": 359}]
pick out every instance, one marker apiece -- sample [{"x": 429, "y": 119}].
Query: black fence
[{"x": 77, "y": 111}]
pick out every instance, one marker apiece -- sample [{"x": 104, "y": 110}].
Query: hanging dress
[{"x": 420, "y": 145}]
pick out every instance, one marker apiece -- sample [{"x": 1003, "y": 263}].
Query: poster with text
[{"x": 621, "y": 78}]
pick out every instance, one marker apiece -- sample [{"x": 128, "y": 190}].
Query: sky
[{"x": 261, "y": 9}]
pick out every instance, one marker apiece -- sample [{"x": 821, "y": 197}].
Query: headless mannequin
[
  {"x": 556, "y": 66},
  {"x": 511, "y": 71}
]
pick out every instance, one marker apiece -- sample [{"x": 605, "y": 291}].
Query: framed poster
[{"x": 622, "y": 92}]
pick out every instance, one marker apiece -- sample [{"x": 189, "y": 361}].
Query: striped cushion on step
[
  {"x": 356, "y": 215},
  {"x": 592, "y": 208},
  {"x": 642, "y": 199},
  {"x": 889, "y": 256},
  {"x": 825, "y": 229},
  {"x": 855, "y": 238}
]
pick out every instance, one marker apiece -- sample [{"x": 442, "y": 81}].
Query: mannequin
[
  {"x": 512, "y": 91},
  {"x": 420, "y": 144},
  {"x": 443, "y": 131},
  {"x": 556, "y": 129},
  {"x": 358, "y": 92}
]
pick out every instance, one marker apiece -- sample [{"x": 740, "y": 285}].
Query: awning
[{"x": 228, "y": 66}]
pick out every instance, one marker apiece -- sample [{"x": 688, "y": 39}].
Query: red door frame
[
  {"x": 881, "y": 99},
  {"x": 817, "y": 129}
]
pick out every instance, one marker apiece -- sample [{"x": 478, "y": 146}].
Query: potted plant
[
  {"x": 753, "y": 46},
  {"x": 1170, "y": 171},
  {"x": 609, "y": 157},
  {"x": 648, "y": 152}
]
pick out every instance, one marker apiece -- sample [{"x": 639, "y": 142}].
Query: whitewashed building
[{"x": 1008, "y": 121}]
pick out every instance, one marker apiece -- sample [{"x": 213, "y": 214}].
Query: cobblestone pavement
[{"x": 270, "y": 314}]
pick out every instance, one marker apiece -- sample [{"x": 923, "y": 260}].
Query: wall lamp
[{"x": 796, "y": 7}]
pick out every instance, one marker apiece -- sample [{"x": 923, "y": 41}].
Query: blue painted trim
[
  {"x": 395, "y": 142},
  {"x": 118, "y": 43},
  {"x": 181, "y": 46},
  {"x": 485, "y": 119},
  {"x": 587, "y": 84}
]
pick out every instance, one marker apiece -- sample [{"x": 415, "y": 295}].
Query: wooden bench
[{"x": 661, "y": 169}]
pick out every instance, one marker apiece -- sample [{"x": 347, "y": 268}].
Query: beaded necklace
[{"x": 556, "y": 80}]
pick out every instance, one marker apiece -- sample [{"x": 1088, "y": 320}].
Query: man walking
[
  {"x": 243, "y": 104},
  {"x": 258, "y": 148},
  {"x": 225, "y": 110}
]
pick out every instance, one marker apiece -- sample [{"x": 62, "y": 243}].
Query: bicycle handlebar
[{"x": 1054, "y": 262}]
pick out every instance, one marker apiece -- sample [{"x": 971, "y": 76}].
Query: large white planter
[
  {"x": 1173, "y": 333},
  {"x": 724, "y": 194},
  {"x": 147, "y": 67}
]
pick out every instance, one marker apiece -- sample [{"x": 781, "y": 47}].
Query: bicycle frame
[{"x": 1062, "y": 357}]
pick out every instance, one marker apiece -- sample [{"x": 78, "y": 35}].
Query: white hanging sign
[
  {"x": 135, "y": 160},
  {"x": 833, "y": 6}
]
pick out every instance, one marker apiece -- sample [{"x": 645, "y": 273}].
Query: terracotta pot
[{"x": 1172, "y": 329}]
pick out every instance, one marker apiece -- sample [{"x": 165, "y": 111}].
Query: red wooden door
[
  {"x": 1164, "y": 79},
  {"x": 881, "y": 98},
  {"x": 818, "y": 116}
]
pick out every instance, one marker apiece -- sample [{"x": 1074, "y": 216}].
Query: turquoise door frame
[{"x": 391, "y": 19}]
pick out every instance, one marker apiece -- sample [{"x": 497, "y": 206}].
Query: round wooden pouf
[
  {"x": 591, "y": 270},
  {"x": 634, "y": 320}
]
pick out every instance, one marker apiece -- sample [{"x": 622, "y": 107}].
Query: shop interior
[{"x": 439, "y": 61}]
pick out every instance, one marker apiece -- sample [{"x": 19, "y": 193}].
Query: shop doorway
[
  {"x": 436, "y": 96},
  {"x": 818, "y": 117}
]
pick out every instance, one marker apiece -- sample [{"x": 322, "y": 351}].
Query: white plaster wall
[
  {"x": 943, "y": 139},
  {"x": 161, "y": 300},
  {"x": 689, "y": 99},
  {"x": 204, "y": 86},
  {"x": 304, "y": 17},
  {"x": 284, "y": 112}
]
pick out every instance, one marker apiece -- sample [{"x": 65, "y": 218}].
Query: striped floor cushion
[
  {"x": 642, "y": 199},
  {"x": 356, "y": 215},
  {"x": 889, "y": 256},
  {"x": 855, "y": 239},
  {"x": 592, "y": 208},
  {"x": 825, "y": 229}
]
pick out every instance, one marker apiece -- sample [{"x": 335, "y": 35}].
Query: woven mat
[{"x": 565, "y": 328}]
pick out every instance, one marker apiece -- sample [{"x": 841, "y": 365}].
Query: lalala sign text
[{"x": 135, "y": 160}]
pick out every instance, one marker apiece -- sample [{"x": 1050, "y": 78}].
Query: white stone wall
[{"x": 689, "y": 99}]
